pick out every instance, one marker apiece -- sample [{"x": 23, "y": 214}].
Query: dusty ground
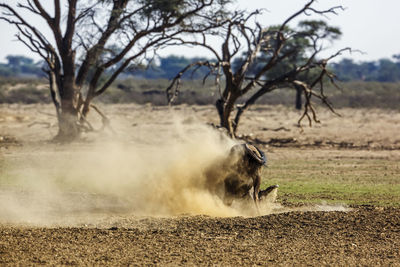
[
  {"x": 366, "y": 236},
  {"x": 57, "y": 229}
]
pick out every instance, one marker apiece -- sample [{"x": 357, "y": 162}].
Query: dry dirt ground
[
  {"x": 366, "y": 236},
  {"x": 54, "y": 229}
]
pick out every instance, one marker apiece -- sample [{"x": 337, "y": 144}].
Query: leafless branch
[{"x": 172, "y": 90}]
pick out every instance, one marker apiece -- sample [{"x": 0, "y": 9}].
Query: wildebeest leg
[
  {"x": 264, "y": 193},
  {"x": 256, "y": 192}
]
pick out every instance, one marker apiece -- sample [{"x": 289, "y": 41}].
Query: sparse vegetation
[
  {"x": 355, "y": 94},
  {"x": 337, "y": 179}
]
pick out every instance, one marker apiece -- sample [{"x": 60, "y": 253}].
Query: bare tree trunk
[
  {"x": 68, "y": 129},
  {"x": 299, "y": 103},
  {"x": 54, "y": 92},
  {"x": 225, "y": 109},
  {"x": 68, "y": 118},
  {"x": 220, "y": 108}
]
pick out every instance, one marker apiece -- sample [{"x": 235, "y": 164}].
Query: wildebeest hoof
[{"x": 262, "y": 194}]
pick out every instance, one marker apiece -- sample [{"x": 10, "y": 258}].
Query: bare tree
[
  {"x": 83, "y": 32},
  {"x": 245, "y": 83}
]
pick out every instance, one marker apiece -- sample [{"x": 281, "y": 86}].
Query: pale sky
[{"x": 372, "y": 26}]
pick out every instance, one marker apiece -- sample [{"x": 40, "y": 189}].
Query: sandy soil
[
  {"x": 366, "y": 236},
  {"x": 270, "y": 125},
  {"x": 56, "y": 211}
]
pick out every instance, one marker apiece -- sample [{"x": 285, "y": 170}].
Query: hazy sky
[{"x": 371, "y": 26}]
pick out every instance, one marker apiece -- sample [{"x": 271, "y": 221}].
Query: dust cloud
[
  {"x": 157, "y": 173},
  {"x": 151, "y": 171}
]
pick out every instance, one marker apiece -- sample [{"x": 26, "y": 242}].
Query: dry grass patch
[{"x": 336, "y": 176}]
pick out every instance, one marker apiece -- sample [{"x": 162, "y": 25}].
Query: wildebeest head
[
  {"x": 250, "y": 153},
  {"x": 255, "y": 154}
]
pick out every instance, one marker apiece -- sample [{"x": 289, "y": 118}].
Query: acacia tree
[
  {"x": 300, "y": 47},
  {"x": 83, "y": 32},
  {"x": 246, "y": 82}
]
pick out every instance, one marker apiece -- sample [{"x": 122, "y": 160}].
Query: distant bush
[
  {"x": 26, "y": 91},
  {"x": 153, "y": 91},
  {"x": 383, "y": 70},
  {"x": 140, "y": 91},
  {"x": 25, "y": 95},
  {"x": 28, "y": 95},
  {"x": 21, "y": 66},
  {"x": 12, "y": 81},
  {"x": 5, "y": 71},
  {"x": 368, "y": 94}
]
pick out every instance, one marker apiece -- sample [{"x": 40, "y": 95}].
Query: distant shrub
[
  {"x": 26, "y": 95},
  {"x": 140, "y": 91},
  {"x": 367, "y": 95}
]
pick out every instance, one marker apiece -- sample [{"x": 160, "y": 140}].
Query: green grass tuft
[{"x": 365, "y": 181}]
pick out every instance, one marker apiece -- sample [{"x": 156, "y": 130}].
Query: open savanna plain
[{"x": 133, "y": 195}]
